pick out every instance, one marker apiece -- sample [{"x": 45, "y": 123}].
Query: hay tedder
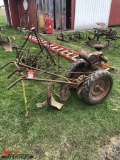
[{"x": 89, "y": 76}]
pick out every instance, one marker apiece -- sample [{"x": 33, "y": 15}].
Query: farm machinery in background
[
  {"x": 7, "y": 45},
  {"x": 89, "y": 75},
  {"x": 109, "y": 35},
  {"x": 73, "y": 36}
]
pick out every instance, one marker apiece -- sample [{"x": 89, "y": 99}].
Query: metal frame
[{"x": 24, "y": 64}]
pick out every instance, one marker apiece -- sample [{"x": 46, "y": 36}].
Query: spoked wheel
[
  {"x": 24, "y": 21},
  {"x": 97, "y": 87}
]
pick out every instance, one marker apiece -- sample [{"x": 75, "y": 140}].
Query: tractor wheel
[
  {"x": 79, "y": 66},
  {"x": 97, "y": 87}
]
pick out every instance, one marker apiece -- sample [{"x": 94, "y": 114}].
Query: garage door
[{"x": 89, "y": 12}]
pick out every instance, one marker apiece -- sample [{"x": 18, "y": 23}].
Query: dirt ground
[{"x": 111, "y": 151}]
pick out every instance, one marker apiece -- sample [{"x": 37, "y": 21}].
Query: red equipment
[{"x": 49, "y": 25}]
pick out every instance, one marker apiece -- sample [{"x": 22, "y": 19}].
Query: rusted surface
[
  {"x": 75, "y": 36},
  {"x": 50, "y": 99},
  {"x": 8, "y": 46},
  {"x": 90, "y": 57},
  {"x": 47, "y": 69},
  {"x": 108, "y": 33},
  {"x": 100, "y": 89},
  {"x": 64, "y": 92}
]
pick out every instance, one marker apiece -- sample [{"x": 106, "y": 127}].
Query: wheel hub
[{"x": 100, "y": 88}]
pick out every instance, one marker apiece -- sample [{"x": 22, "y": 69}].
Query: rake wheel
[{"x": 24, "y": 21}]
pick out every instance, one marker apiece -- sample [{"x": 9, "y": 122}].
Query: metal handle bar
[{"x": 6, "y": 64}]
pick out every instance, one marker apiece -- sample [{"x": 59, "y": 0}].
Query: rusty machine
[
  {"x": 108, "y": 34},
  {"x": 73, "y": 36},
  {"x": 6, "y": 44},
  {"x": 89, "y": 76}
]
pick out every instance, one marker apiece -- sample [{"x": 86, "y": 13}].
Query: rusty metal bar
[
  {"x": 41, "y": 80},
  {"x": 44, "y": 71},
  {"x": 6, "y": 64}
]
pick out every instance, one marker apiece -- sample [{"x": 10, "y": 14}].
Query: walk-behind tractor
[{"x": 89, "y": 76}]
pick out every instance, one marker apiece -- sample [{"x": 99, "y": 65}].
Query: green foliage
[{"x": 76, "y": 132}]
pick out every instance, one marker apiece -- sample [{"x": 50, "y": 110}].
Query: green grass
[
  {"x": 76, "y": 132},
  {"x": 2, "y": 17}
]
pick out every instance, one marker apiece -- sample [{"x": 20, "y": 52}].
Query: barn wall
[
  {"x": 7, "y": 12},
  {"x": 14, "y": 13},
  {"x": 89, "y": 12},
  {"x": 115, "y": 13},
  {"x": 73, "y": 2},
  {"x": 31, "y": 12}
]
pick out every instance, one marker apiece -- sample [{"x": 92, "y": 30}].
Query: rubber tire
[
  {"x": 90, "y": 82},
  {"x": 76, "y": 67}
]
